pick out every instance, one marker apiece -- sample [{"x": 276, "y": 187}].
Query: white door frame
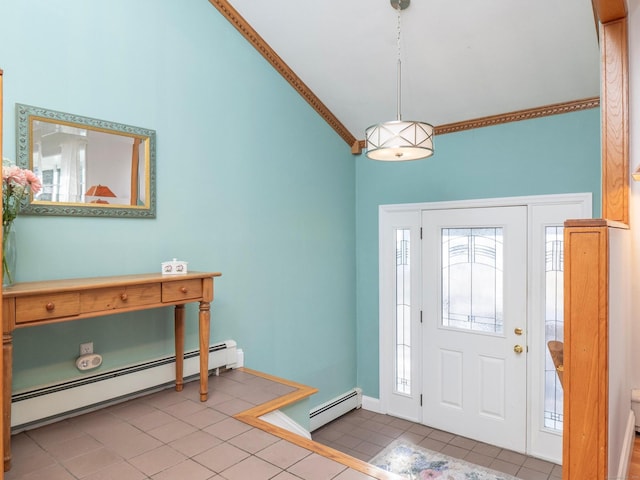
[{"x": 392, "y": 217}]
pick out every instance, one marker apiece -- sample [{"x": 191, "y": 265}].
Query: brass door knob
[{"x": 518, "y": 348}]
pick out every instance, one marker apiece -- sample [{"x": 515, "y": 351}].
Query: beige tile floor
[
  {"x": 363, "y": 434},
  {"x": 171, "y": 435}
]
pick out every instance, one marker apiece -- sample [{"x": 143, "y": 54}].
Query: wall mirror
[{"x": 87, "y": 167}]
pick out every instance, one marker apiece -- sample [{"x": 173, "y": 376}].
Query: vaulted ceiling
[{"x": 461, "y": 60}]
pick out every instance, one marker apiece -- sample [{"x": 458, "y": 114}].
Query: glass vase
[{"x": 8, "y": 255}]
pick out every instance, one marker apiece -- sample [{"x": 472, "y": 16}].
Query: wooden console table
[{"x": 38, "y": 303}]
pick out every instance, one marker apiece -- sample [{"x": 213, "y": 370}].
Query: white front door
[{"x": 474, "y": 292}]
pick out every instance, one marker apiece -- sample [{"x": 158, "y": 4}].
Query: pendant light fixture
[{"x": 399, "y": 140}]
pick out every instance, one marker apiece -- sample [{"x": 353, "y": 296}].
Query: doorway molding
[{"x": 408, "y": 215}]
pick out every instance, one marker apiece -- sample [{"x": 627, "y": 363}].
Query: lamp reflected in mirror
[{"x": 99, "y": 191}]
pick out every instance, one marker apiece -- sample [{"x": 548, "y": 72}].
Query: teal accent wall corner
[
  {"x": 549, "y": 155},
  {"x": 251, "y": 182},
  {"x": 299, "y": 413}
]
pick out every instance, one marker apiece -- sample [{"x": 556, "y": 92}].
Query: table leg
[
  {"x": 7, "y": 358},
  {"x": 179, "y": 339},
  {"x": 204, "y": 320}
]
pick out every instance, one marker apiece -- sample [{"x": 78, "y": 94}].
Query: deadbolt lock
[
  {"x": 517, "y": 331},
  {"x": 518, "y": 348}
]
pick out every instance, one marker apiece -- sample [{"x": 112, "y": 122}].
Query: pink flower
[
  {"x": 33, "y": 181},
  {"x": 17, "y": 184},
  {"x": 14, "y": 175}
]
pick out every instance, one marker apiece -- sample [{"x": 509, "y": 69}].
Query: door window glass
[
  {"x": 472, "y": 279},
  {"x": 554, "y": 323},
  {"x": 403, "y": 313}
]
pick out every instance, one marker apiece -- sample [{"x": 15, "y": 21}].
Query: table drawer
[
  {"x": 42, "y": 307},
  {"x": 119, "y": 297},
  {"x": 181, "y": 290}
]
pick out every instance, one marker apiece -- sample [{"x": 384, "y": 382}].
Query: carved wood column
[
  {"x": 615, "y": 121},
  {"x": 612, "y": 14},
  {"x": 586, "y": 279},
  {"x": 586, "y": 350}
]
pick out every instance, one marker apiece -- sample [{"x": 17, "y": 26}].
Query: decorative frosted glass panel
[
  {"x": 472, "y": 279},
  {"x": 403, "y": 313},
  {"x": 553, "y": 323}
]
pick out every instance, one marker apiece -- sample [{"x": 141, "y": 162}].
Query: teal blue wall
[
  {"x": 557, "y": 154},
  {"x": 250, "y": 182}
]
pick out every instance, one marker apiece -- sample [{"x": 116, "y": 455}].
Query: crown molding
[
  {"x": 247, "y": 31},
  {"x": 528, "y": 114}
]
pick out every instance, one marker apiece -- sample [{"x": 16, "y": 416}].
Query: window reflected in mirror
[{"x": 87, "y": 166}]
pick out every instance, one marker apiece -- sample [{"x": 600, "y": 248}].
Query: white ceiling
[{"x": 461, "y": 59}]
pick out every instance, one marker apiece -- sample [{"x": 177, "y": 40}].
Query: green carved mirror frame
[{"x": 87, "y": 167}]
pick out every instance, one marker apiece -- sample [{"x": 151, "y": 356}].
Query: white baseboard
[
  {"x": 372, "y": 404},
  {"x": 627, "y": 447},
  {"x": 239, "y": 358},
  {"x": 282, "y": 420},
  {"x": 44, "y": 404}
]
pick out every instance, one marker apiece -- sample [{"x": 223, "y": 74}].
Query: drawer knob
[
  {"x": 50, "y": 306},
  {"x": 124, "y": 297},
  {"x": 183, "y": 289}
]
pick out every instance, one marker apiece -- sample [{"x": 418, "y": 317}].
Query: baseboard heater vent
[
  {"x": 43, "y": 405},
  {"x": 335, "y": 408}
]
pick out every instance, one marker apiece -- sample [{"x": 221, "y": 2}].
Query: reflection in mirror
[{"x": 87, "y": 167}]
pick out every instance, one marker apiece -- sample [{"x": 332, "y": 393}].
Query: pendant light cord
[{"x": 399, "y": 89}]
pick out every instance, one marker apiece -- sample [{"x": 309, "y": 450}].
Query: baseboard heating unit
[
  {"x": 53, "y": 402},
  {"x": 335, "y": 408}
]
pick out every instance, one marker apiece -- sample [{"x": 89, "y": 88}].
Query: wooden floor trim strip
[{"x": 252, "y": 417}]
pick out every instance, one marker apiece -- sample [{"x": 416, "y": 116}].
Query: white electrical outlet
[
  {"x": 86, "y": 348},
  {"x": 87, "y": 362}
]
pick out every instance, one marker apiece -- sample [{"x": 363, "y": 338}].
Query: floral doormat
[{"x": 417, "y": 463}]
